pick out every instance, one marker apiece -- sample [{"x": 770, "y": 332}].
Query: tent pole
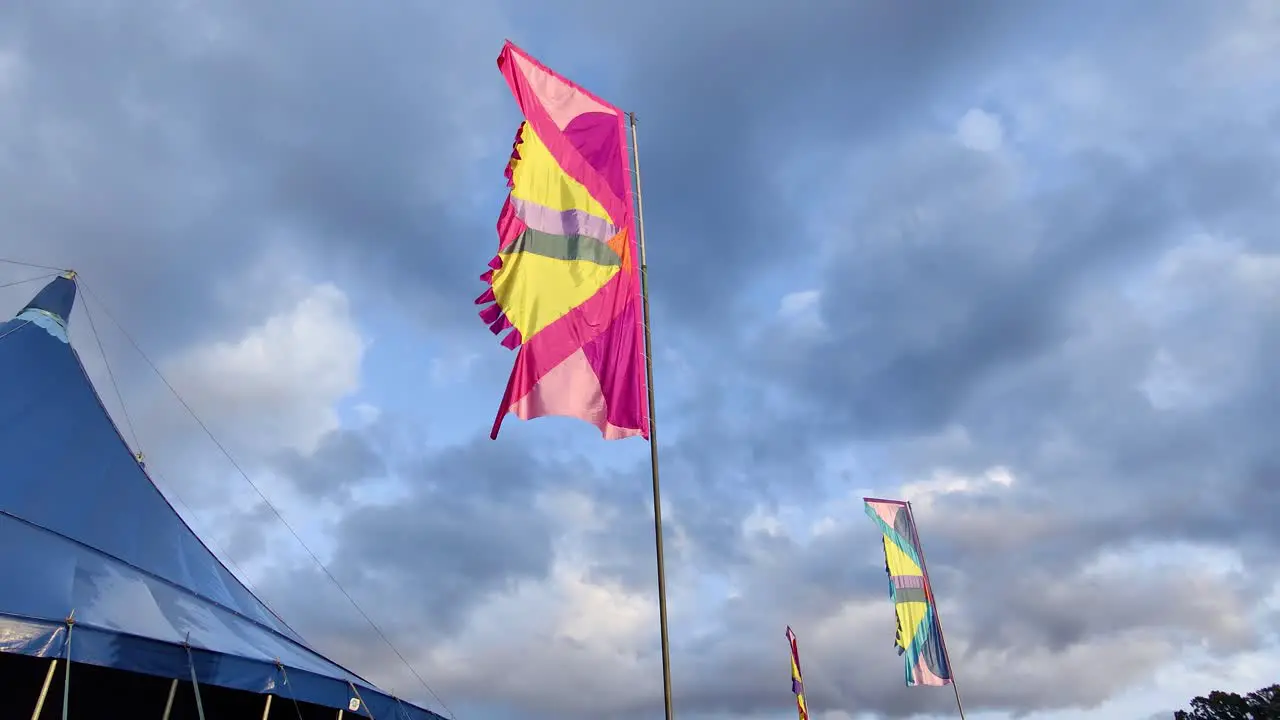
[
  {"x": 339, "y": 713},
  {"x": 44, "y": 689},
  {"x": 195, "y": 684},
  {"x": 284, "y": 675},
  {"x": 266, "y": 710},
  {"x": 359, "y": 700},
  {"x": 66, "y": 675},
  {"x": 168, "y": 704}
]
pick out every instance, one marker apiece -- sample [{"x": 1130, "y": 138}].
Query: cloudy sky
[{"x": 1015, "y": 261}]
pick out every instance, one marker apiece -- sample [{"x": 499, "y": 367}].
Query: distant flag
[
  {"x": 797, "y": 682},
  {"x": 565, "y": 282},
  {"x": 919, "y": 638}
]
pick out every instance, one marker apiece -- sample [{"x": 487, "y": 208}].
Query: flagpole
[
  {"x": 653, "y": 435},
  {"x": 937, "y": 616}
]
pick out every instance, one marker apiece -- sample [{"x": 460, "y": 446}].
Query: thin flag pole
[
  {"x": 937, "y": 616},
  {"x": 653, "y": 435}
]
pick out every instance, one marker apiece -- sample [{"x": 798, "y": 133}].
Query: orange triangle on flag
[{"x": 620, "y": 243}]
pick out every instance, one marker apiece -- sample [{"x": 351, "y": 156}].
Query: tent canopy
[{"x": 83, "y": 530}]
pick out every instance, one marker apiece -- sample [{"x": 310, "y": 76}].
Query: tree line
[{"x": 1262, "y": 704}]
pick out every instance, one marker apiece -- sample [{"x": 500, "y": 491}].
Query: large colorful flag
[
  {"x": 797, "y": 682},
  {"x": 565, "y": 282},
  {"x": 919, "y": 637}
]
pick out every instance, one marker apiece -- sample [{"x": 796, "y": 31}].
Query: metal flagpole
[
  {"x": 653, "y": 435},
  {"x": 937, "y": 616}
]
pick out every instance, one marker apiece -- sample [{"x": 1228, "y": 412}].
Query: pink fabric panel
[
  {"x": 549, "y": 348},
  {"x": 534, "y": 107},
  {"x": 619, "y": 363},
  {"x": 887, "y": 513},
  {"x": 562, "y": 100}
]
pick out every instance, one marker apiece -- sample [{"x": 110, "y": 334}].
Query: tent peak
[{"x": 56, "y": 299}]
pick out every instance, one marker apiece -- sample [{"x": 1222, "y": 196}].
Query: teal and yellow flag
[{"x": 919, "y": 638}]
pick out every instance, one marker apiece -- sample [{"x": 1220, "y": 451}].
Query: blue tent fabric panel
[
  {"x": 83, "y": 529},
  {"x": 108, "y": 594},
  {"x": 57, "y": 428},
  {"x": 47, "y": 639},
  {"x": 37, "y": 638}
]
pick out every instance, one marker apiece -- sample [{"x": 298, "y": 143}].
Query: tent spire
[{"x": 56, "y": 299}]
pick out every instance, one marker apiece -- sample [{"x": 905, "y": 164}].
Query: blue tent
[{"x": 88, "y": 544}]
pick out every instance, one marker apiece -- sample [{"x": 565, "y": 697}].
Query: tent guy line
[
  {"x": 15, "y": 283},
  {"x": 111, "y": 375},
  {"x": 261, "y": 495},
  {"x": 139, "y": 455},
  {"x": 89, "y": 293},
  {"x": 37, "y": 266},
  {"x": 171, "y": 491},
  {"x": 101, "y": 550}
]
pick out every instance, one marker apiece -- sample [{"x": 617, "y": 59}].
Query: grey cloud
[
  {"x": 1036, "y": 609},
  {"x": 951, "y": 277},
  {"x": 1203, "y": 459},
  {"x": 1041, "y": 658},
  {"x": 159, "y": 149},
  {"x": 250, "y": 537},
  {"x": 467, "y": 550},
  {"x": 1101, "y": 630},
  {"x": 729, "y": 96},
  {"x": 464, "y": 526},
  {"x": 954, "y": 304},
  {"x": 1059, "y": 640},
  {"x": 1011, "y": 570},
  {"x": 343, "y": 459}
]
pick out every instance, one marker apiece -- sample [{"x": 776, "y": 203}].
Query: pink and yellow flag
[
  {"x": 565, "y": 284},
  {"x": 797, "y": 681}
]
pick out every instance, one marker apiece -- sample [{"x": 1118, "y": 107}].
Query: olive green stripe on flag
[{"x": 563, "y": 247}]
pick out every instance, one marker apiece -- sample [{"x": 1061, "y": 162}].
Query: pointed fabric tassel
[
  {"x": 500, "y": 324},
  {"x": 486, "y": 297},
  {"x": 496, "y": 262},
  {"x": 487, "y": 276},
  {"x": 509, "y": 226},
  {"x": 515, "y": 156},
  {"x": 512, "y": 340},
  {"x": 490, "y": 314}
]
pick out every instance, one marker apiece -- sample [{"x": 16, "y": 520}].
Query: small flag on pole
[
  {"x": 797, "y": 682},
  {"x": 919, "y": 639}
]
